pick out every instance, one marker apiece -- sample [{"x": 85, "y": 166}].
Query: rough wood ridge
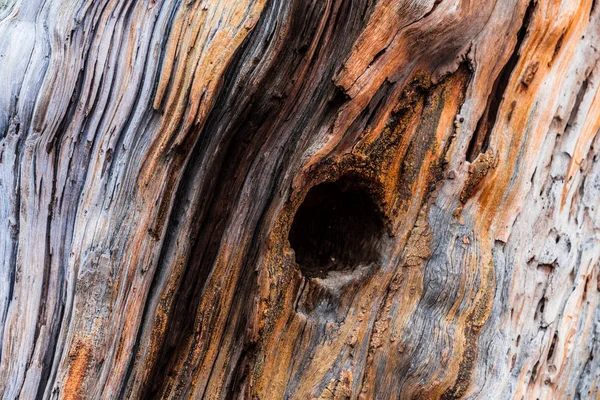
[{"x": 299, "y": 199}]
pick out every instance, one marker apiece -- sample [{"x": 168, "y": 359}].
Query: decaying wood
[{"x": 299, "y": 199}]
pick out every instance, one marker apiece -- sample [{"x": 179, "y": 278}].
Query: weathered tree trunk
[{"x": 299, "y": 198}]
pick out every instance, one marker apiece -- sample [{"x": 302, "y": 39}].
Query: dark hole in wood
[{"x": 336, "y": 228}]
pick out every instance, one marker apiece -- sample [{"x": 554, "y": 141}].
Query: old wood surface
[{"x": 299, "y": 199}]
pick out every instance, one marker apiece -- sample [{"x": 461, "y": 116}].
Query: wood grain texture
[{"x": 299, "y": 199}]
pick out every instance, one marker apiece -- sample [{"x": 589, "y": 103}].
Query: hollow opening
[{"x": 337, "y": 228}]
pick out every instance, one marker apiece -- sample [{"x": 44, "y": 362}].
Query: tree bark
[{"x": 299, "y": 199}]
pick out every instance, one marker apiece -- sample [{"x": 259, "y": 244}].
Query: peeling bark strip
[{"x": 299, "y": 199}]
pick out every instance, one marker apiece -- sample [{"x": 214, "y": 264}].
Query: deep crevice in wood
[
  {"x": 578, "y": 100},
  {"x": 481, "y": 137}
]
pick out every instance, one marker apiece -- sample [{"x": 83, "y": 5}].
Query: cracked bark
[{"x": 299, "y": 199}]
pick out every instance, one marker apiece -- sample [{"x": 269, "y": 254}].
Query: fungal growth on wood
[{"x": 336, "y": 228}]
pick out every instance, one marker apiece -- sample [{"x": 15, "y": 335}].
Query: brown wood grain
[{"x": 299, "y": 199}]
